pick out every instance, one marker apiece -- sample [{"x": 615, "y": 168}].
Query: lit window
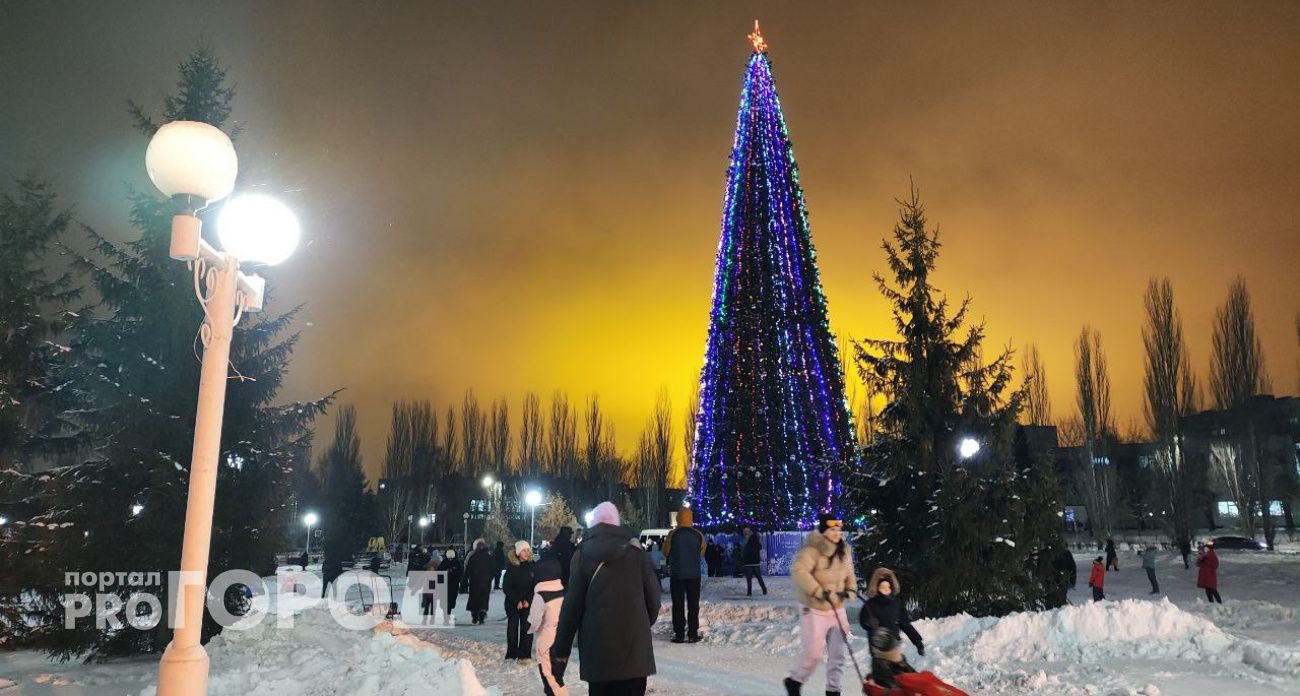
[{"x": 1228, "y": 508}]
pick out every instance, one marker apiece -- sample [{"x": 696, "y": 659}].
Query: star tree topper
[{"x": 760, "y": 46}]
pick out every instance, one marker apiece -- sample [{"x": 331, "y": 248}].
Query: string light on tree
[{"x": 773, "y": 431}]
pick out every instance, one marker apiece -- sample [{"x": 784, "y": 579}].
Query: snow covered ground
[{"x": 1137, "y": 644}]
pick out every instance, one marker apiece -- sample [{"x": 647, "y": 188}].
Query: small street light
[
  {"x": 534, "y": 499},
  {"x": 310, "y": 519},
  {"x": 3, "y": 520},
  {"x": 968, "y": 447},
  {"x": 424, "y": 522},
  {"x": 195, "y": 165},
  {"x": 136, "y": 510}
]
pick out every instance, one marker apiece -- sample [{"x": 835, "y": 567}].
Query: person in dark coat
[
  {"x": 418, "y": 559},
  {"x": 452, "y": 566},
  {"x": 520, "y": 581},
  {"x": 331, "y": 568},
  {"x": 609, "y": 608},
  {"x": 1185, "y": 548},
  {"x": 499, "y": 559},
  {"x": 713, "y": 559},
  {"x": 562, "y": 550},
  {"x": 302, "y": 560},
  {"x": 753, "y": 558},
  {"x": 1112, "y": 558},
  {"x": 1207, "y": 574},
  {"x": 684, "y": 547},
  {"x": 737, "y": 560},
  {"x": 479, "y": 569},
  {"x": 883, "y": 616}
]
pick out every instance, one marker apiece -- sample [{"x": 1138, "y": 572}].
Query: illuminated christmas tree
[{"x": 774, "y": 430}]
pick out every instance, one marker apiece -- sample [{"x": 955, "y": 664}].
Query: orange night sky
[{"x": 516, "y": 197}]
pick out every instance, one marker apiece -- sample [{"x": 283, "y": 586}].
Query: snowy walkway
[{"x": 1249, "y": 646}]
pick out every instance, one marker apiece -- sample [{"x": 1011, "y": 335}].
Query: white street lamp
[
  {"x": 533, "y": 498},
  {"x": 3, "y": 520},
  {"x": 310, "y": 519},
  {"x": 195, "y": 164},
  {"x": 424, "y": 522},
  {"x": 136, "y": 510},
  {"x": 968, "y": 447},
  {"x": 488, "y": 481}
]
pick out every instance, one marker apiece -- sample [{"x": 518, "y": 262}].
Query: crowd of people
[
  {"x": 1207, "y": 569},
  {"x": 604, "y": 595}
]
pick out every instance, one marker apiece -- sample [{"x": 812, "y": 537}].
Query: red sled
[{"x": 918, "y": 684}]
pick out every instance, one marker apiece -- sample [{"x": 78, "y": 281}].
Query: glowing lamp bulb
[
  {"x": 968, "y": 447},
  {"x": 258, "y": 228},
  {"x": 310, "y": 519},
  {"x": 191, "y": 158},
  {"x": 533, "y": 498}
]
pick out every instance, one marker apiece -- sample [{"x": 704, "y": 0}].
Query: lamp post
[
  {"x": 465, "y": 517},
  {"x": 310, "y": 519},
  {"x": 533, "y": 498},
  {"x": 195, "y": 164}
]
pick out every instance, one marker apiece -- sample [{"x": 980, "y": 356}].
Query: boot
[{"x": 792, "y": 687}]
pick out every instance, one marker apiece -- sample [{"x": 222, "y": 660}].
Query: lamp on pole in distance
[
  {"x": 309, "y": 520},
  {"x": 533, "y": 498},
  {"x": 968, "y": 447}
]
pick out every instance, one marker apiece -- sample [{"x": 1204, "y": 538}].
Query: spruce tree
[
  {"x": 134, "y": 367},
  {"x": 33, "y": 314},
  {"x": 346, "y": 515},
  {"x": 971, "y": 533}
]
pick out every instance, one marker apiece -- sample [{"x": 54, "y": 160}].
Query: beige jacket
[{"x": 816, "y": 568}]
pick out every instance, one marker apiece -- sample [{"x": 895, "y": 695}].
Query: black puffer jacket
[
  {"x": 520, "y": 581},
  {"x": 886, "y": 612},
  {"x": 610, "y": 606}
]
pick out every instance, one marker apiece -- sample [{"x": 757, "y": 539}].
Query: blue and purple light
[{"x": 774, "y": 429}]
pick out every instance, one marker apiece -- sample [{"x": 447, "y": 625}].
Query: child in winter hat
[{"x": 543, "y": 618}]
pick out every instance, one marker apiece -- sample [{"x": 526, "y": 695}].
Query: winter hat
[
  {"x": 1097, "y": 559},
  {"x": 547, "y": 569},
  {"x": 826, "y": 521},
  {"x": 521, "y": 545},
  {"x": 605, "y": 513},
  {"x": 451, "y": 553}
]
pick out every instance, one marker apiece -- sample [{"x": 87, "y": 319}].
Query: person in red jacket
[
  {"x": 1207, "y": 578},
  {"x": 1097, "y": 581}
]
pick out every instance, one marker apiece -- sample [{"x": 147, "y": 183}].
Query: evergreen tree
[
  {"x": 33, "y": 314},
  {"x": 134, "y": 368},
  {"x": 774, "y": 428},
  {"x": 970, "y": 533},
  {"x": 346, "y": 514}
]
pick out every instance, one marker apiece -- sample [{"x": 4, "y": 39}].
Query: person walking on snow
[
  {"x": 752, "y": 555},
  {"x": 1207, "y": 577},
  {"x": 518, "y": 586},
  {"x": 883, "y": 616},
  {"x": 1149, "y": 565},
  {"x": 684, "y": 547},
  {"x": 1097, "y": 581},
  {"x": 451, "y": 565},
  {"x": 479, "y": 569},
  {"x": 1112, "y": 557},
  {"x": 562, "y": 551},
  {"x": 543, "y": 619},
  {"x": 499, "y": 562},
  {"x": 609, "y": 606},
  {"x": 1185, "y": 548},
  {"x": 657, "y": 561},
  {"x": 823, "y": 578}
]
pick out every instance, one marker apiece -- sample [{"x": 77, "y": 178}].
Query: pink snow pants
[{"x": 818, "y": 631}]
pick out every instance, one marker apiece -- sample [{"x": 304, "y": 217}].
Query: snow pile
[
  {"x": 1018, "y": 651},
  {"x": 317, "y": 657},
  {"x": 744, "y": 625}
]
